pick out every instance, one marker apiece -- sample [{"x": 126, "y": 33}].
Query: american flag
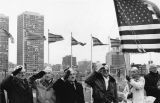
[
  {"x": 139, "y": 26},
  {"x": 115, "y": 42},
  {"x": 33, "y": 36},
  {"x": 54, "y": 38},
  {"x": 75, "y": 42},
  {"x": 97, "y": 42}
]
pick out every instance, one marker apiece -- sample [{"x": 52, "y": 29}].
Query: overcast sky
[{"x": 81, "y": 17}]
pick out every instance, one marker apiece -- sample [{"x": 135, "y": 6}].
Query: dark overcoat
[
  {"x": 74, "y": 92},
  {"x": 59, "y": 88},
  {"x": 18, "y": 91},
  {"x": 151, "y": 89},
  {"x": 100, "y": 94}
]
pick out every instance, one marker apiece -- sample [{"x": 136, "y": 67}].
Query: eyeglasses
[
  {"x": 73, "y": 74},
  {"x": 105, "y": 70},
  {"x": 22, "y": 73}
]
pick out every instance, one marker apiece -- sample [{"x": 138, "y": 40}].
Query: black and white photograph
[{"x": 80, "y": 51}]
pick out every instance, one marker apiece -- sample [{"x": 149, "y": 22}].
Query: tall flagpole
[
  {"x": 24, "y": 39},
  {"x": 48, "y": 46},
  {"x": 91, "y": 52},
  {"x": 91, "y": 67},
  {"x": 109, "y": 49},
  {"x": 71, "y": 49}
]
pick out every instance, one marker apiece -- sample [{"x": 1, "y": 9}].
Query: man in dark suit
[
  {"x": 73, "y": 89},
  {"x": 103, "y": 85}
]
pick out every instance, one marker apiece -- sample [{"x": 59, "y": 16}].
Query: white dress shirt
[{"x": 106, "y": 81}]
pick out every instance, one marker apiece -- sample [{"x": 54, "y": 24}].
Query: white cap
[
  {"x": 134, "y": 69},
  {"x": 153, "y": 66},
  {"x": 100, "y": 65},
  {"x": 19, "y": 66},
  {"x": 48, "y": 69}
]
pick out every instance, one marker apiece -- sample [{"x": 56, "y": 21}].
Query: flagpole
[
  {"x": 24, "y": 39},
  {"x": 91, "y": 67},
  {"x": 48, "y": 47},
  {"x": 91, "y": 52},
  {"x": 150, "y": 56},
  {"x": 109, "y": 49},
  {"x": 71, "y": 49}
]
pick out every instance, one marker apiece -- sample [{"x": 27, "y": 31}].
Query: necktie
[{"x": 73, "y": 83}]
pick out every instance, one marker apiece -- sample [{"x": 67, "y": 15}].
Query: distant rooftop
[
  {"x": 31, "y": 13},
  {"x": 2, "y": 15}
]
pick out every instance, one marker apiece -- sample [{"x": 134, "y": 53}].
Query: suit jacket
[
  {"x": 100, "y": 94},
  {"x": 74, "y": 92}
]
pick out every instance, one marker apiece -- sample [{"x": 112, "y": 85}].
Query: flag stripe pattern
[
  {"x": 75, "y": 42},
  {"x": 115, "y": 42},
  {"x": 139, "y": 26},
  {"x": 54, "y": 38},
  {"x": 33, "y": 36},
  {"x": 97, "y": 42}
]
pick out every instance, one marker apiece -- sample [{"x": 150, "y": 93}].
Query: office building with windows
[{"x": 30, "y": 53}]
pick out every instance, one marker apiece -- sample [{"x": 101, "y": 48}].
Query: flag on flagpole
[
  {"x": 115, "y": 42},
  {"x": 139, "y": 26},
  {"x": 97, "y": 42},
  {"x": 54, "y": 38},
  {"x": 34, "y": 36},
  {"x": 75, "y": 42},
  {"x": 9, "y": 35}
]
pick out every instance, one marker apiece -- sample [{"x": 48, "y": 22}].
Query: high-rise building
[
  {"x": 30, "y": 53},
  {"x": 4, "y": 24},
  {"x": 67, "y": 61},
  {"x": 119, "y": 62},
  {"x": 84, "y": 66}
]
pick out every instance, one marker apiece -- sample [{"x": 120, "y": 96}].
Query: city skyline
[{"x": 81, "y": 17}]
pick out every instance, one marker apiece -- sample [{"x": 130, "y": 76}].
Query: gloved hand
[
  {"x": 128, "y": 78},
  {"x": 40, "y": 74},
  {"x": 18, "y": 70},
  {"x": 36, "y": 76},
  {"x": 130, "y": 95}
]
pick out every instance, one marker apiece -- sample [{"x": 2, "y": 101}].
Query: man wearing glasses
[{"x": 103, "y": 85}]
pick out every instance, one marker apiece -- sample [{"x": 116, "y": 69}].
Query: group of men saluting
[{"x": 40, "y": 88}]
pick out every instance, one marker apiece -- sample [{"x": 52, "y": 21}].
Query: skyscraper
[
  {"x": 67, "y": 61},
  {"x": 4, "y": 24},
  {"x": 30, "y": 53}
]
